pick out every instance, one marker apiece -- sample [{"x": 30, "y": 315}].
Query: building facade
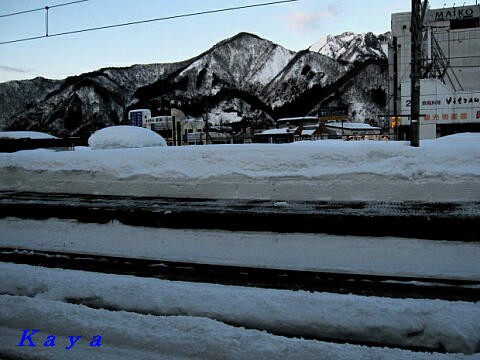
[
  {"x": 176, "y": 129},
  {"x": 450, "y": 85}
]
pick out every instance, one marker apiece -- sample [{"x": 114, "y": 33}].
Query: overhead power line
[
  {"x": 42, "y": 8},
  {"x": 150, "y": 20}
]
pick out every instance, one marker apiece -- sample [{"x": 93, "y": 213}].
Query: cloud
[
  {"x": 302, "y": 21},
  {"x": 14, "y": 70}
]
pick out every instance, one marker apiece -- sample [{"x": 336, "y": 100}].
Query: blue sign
[{"x": 136, "y": 118}]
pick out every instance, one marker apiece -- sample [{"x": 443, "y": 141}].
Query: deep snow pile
[
  {"x": 396, "y": 322},
  {"x": 118, "y": 137},
  {"x": 440, "y": 170}
]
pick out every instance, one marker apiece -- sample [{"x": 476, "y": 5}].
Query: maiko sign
[{"x": 456, "y": 14}]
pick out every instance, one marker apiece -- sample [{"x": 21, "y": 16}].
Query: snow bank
[
  {"x": 396, "y": 322},
  {"x": 117, "y": 137},
  {"x": 439, "y": 170},
  {"x": 25, "y": 134},
  {"x": 309, "y": 252},
  {"x": 128, "y": 335}
]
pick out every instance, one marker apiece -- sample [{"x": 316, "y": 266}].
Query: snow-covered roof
[
  {"x": 304, "y": 118},
  {"x": 352, "y": 126},
  {"x": 280, "y": 131},
  {"x": 308, "y": 132},
  {"x": 25, "y": 135}
]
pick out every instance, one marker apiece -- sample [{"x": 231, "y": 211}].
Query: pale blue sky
[{"x": 293, "y": 25}]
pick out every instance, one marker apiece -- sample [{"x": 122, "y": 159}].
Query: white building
[
  {"x": 444, "y": 110},
  {"x": 451, "y": 76},
  {"x": 175, "y": 128}
]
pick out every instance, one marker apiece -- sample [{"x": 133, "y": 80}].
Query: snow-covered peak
[
  {"x": 351, "y": 47},
  {"x": 242, "y": 59}
]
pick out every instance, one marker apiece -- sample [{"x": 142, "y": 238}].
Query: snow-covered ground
[
  {"x": 201, "y": 321},
  {"x": 446, "y": 169},
  {"x": 150, "y": 319},
  {"x": 25, "y": 134},
  {"x": 312, "y": 252}
]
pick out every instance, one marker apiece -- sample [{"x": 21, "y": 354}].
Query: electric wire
[
  {"x": 150, "y": 20},
  {"x": 42, "y": 8}
]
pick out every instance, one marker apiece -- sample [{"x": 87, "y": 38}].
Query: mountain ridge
[
  {"x": 244, "y": 78},
  {"x": 351, "y": 47}
]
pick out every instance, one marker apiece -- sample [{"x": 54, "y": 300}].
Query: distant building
[
  {"x": 312, "y": 132},
  {"x": 297, "y": 121},
  {"x": 277, "y": 136},
  {"x": 353, "y": 130},
  {"x": 176, "y": 129},
  {"x": 450, "y": 89}
]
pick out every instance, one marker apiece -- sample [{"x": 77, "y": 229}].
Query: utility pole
[
  {"x": 416, "y": 64},
  {"x": 395, "y": 85},
  {"x": 419, "y": 11}
]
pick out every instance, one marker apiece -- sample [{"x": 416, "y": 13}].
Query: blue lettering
[
  {"x": 72, "y": 341},
  {"x": 49, "y": 341},
  {"x": 26, "y": 337},
  {"x": 96, "y": 341}
]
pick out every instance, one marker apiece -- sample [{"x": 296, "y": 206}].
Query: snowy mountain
[
  {"x": 243, "y": 79},
  {"x": 350, "y": 47},
  {"x": 20, "y": 95}
]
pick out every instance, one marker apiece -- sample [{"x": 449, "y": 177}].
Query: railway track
[
  {"x": 359, "y": 284},
  {"x": 435, "y": 221},
  {"x": 443, "y": 221}
]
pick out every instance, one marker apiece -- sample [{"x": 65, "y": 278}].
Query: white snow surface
[
  {"x": 127, "y": 335},
  {"x": 439, "y": 170},
  {"x": 25, "y": 134},
  {"x": 275, "y": 64},
  {"x": 118, "y": 137},
  {"x": 195, "y": 313},
  {"x": 309, "y": 252}
]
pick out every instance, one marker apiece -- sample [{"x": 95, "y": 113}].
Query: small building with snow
[
  {"x": 297, "y": 121},
  {"x": 277, "y": 136},
  {"x": 353, "y": 129}
]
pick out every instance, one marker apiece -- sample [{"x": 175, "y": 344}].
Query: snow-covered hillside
[
  {"x": 350, "y": 47},
  {"x": 243, "y": 79}
]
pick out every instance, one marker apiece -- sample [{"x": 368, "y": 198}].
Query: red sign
[{"x": 478, "y": 114}]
